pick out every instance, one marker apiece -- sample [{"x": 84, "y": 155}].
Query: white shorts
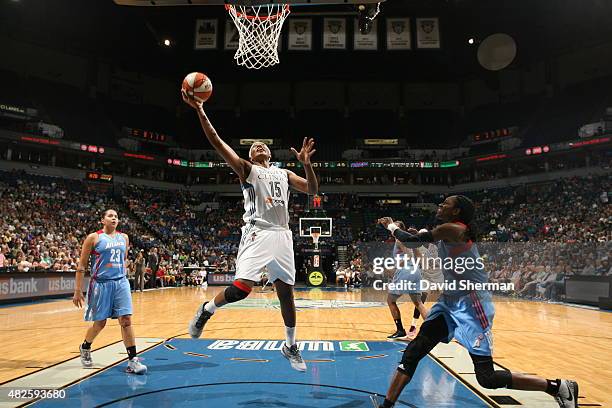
[
  {"x": 260, "y": 248},
  {"x": 432, "y": 275}
]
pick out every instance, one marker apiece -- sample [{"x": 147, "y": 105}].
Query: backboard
[{"x": 307, "y": 225}]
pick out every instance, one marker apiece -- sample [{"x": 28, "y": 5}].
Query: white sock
[
  {"x": 290, "y": 335},
  {"x": 414, "y": 322},
  {"x": 211, "y": 307}
]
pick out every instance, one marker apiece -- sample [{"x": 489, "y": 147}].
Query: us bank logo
[
  {"x": 303, "y": 304},
  {"x": 276, "y": 345}
]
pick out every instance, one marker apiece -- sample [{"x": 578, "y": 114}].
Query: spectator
[
  {"x": 139, "y": 265},
  {"x": 154, "y": 265},
  {"x": 3, "y": 260}
]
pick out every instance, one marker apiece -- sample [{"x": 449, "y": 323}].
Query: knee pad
[
  {"x": 488, "y": 378},
  {"x": 416, "y": 350},
  {"x": 236, "y": 292}
]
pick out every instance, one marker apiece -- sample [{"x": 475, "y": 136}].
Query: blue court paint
[{"x": 214, "y": 380}]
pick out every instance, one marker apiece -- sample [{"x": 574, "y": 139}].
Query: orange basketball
[{"x": 197, "y": 86}]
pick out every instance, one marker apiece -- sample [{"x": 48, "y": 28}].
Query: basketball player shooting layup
[
  {"x": 108, "y": 295},
  {"x": 266, "y": 237},
  {"x": 466, "y": 315}
]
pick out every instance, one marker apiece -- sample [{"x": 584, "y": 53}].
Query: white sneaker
[
  {"x": 86, "y": 360},
  {"x": 295, "y": 358},
  {"x": 135, "y": 366},
  {"x": 199, "y": 320},
  {"x": 567, "y": 397}
]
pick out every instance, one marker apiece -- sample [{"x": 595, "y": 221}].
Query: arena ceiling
[{"x": 130, "y": 36}]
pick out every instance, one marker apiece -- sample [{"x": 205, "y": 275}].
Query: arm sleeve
[{"x": 407, "y": 237}]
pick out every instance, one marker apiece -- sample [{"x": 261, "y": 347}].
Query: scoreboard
[
  {"x": 101, "y": 177},
  {"x": 147, "y": 135}
]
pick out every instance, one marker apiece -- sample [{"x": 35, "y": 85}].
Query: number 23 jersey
[{"x": 109, "y": 256}]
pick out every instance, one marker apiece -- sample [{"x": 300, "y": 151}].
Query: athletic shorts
[
  {"x": 432, "y": 275},
  {"x": 469, "y": 319},
  {"x": 260, "y": 248},
  {"x": 108, "y": 299},
  {"x": 407, "y": 280}
]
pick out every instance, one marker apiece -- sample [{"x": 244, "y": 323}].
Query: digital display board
[
  {"x": 330, "y": 164},
  {"x": 96, "y": 176},
  {"x": 491, "y": 135},
  {"x": 40, "y": 140},
  {"x": 147, "y": 135},
  {"x": 92, "y": 149},
  {"x": 139, "y": 156},
  {"x": 492, "y": 157},
  {"x": 589, "y": 142}
]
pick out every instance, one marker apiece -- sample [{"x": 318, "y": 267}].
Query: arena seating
[{"x": 46, "y": 219}]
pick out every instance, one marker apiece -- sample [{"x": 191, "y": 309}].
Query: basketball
[{"x": 197, "y": 86}]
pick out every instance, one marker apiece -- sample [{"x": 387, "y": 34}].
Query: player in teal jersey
[
  {"x": 465, "y": 315},
  {"x": 108, "y": 293}
]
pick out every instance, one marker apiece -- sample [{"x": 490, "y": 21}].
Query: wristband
[{"x": 392, "y": 227}]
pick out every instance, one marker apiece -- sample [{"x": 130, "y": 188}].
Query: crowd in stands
[
  {"x": 45, "y": 220},
  {"x": 190, "y": 238},
  {"x": 533, "y": 236}
]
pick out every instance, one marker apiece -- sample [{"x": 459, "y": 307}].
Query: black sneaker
[
  {"x": 398, "y": 334},
  {"x": 199, "y": 320}
]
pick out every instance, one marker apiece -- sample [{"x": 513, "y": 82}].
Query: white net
[
  {"x": 259, "y": 28},
  {"x": 315, "y": 234}
]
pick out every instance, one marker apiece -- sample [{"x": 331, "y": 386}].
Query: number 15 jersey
[{"x": 266, "y": 198}]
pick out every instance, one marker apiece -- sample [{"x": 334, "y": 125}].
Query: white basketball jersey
[
  {"x": 266, "y": 198},
  {"x": 429, "y": 270}
]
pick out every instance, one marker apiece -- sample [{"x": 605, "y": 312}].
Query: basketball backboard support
[
  {"x": 160, "y": 3},
  {"x": 308, "y": 225}
]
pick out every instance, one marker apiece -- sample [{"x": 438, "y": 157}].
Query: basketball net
[
  {"x": 315, "y": 238},
  {"x": 259, "y": 28}
]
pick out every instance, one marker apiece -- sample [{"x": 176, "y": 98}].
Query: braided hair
[{"x": 466, "y": 215}]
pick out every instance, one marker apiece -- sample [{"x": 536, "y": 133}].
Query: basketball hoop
[
  {"x": 315, "y": 238},
  {"x": 259, "y": 28}
]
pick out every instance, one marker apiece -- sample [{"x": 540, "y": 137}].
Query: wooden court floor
[{"x": 549, "y": 340}]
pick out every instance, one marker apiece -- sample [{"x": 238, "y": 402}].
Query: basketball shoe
[
  {"x": 135, "y": 366},
  {"x": 411, "y": 334},
  {"x": 199, "y": 320},
  {"x": 399, "y": 334},
  {"x": 295, "y": 358},
  {"x": 86, "y": 360},
  {"x": 567, "y": 397}
]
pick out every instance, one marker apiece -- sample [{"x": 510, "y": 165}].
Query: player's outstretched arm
[
  {"x": 449, "y": 232},
  {"x": 308, "y": 185},
  {"x": 240, "y": 166},
  {"x": 78, "y": 298}
]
